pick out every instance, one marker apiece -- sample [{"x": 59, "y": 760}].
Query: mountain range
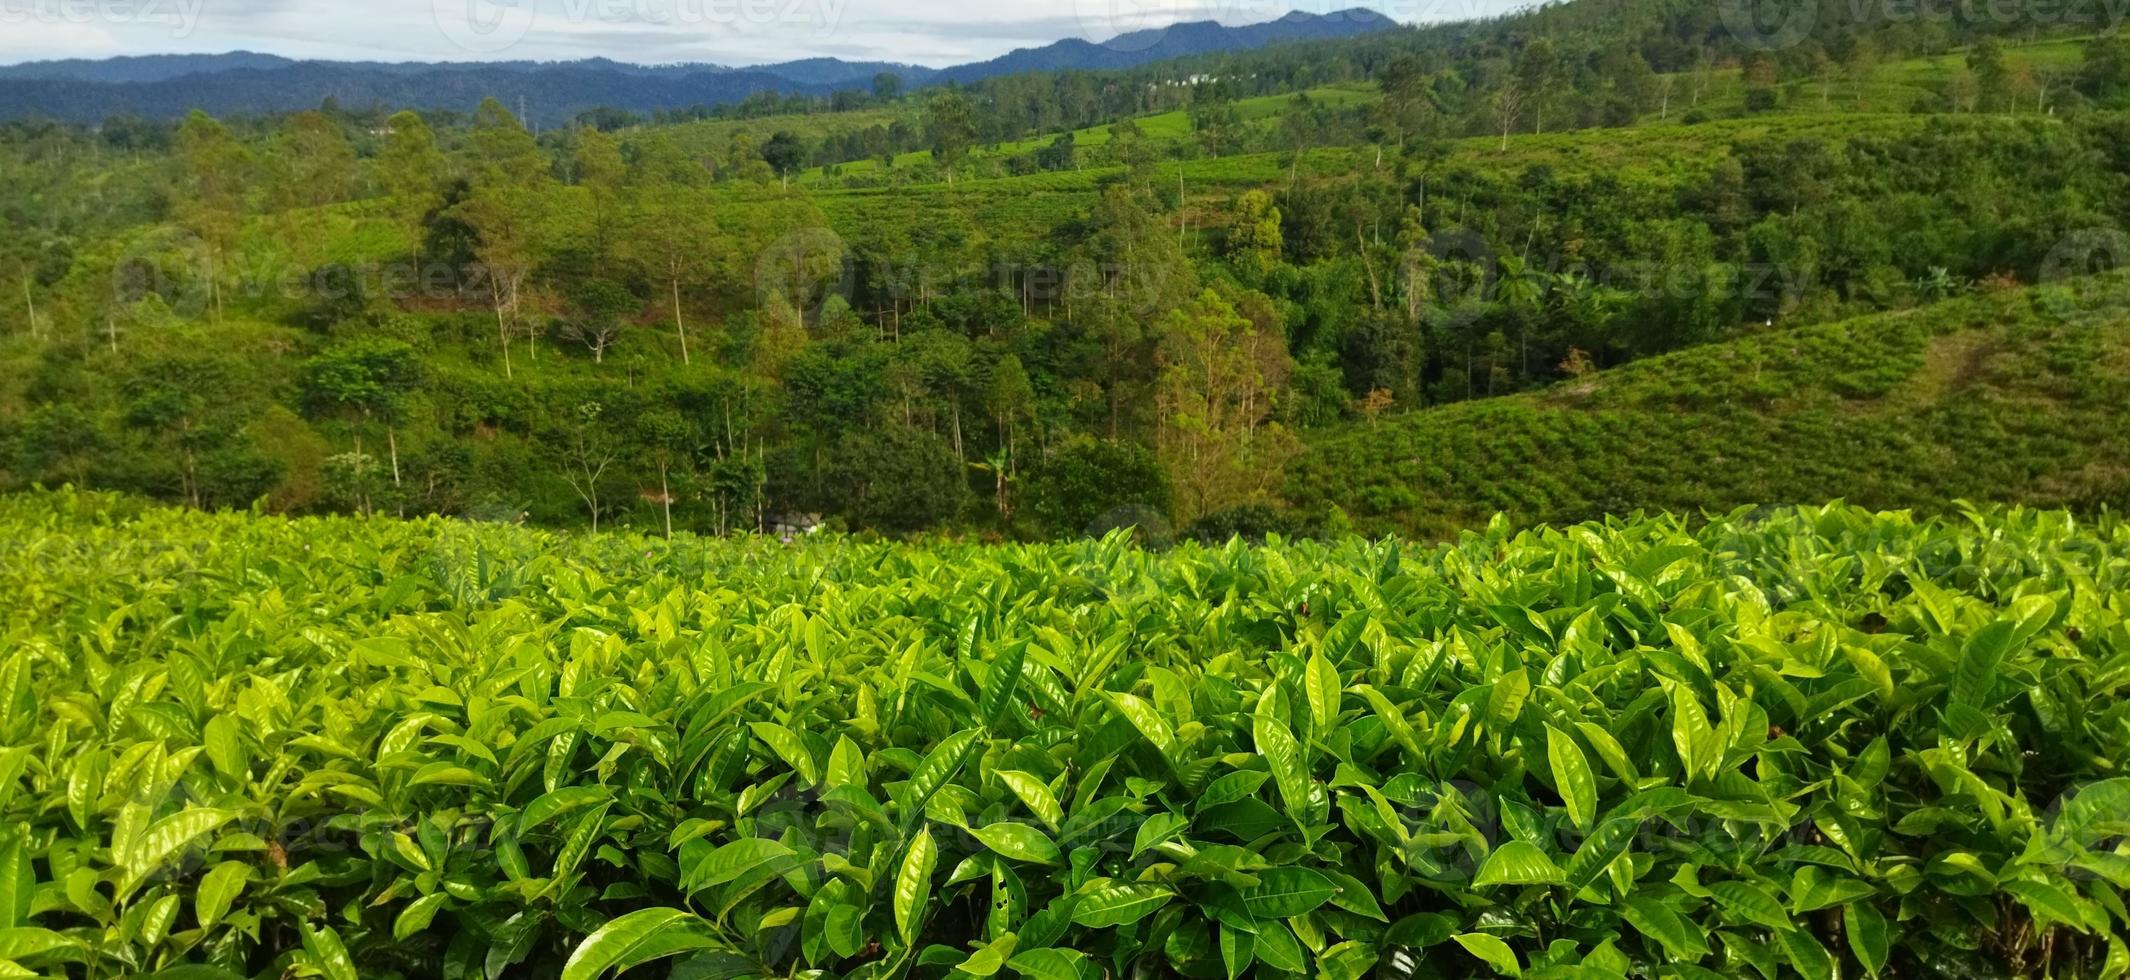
[{"x": 168, "y": 86}]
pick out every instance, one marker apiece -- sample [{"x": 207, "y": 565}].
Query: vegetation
[
  {"x": 2015, "y": 395},
  {"x": 723, "y": 321},
  {"x": 1817, "y": 742}
]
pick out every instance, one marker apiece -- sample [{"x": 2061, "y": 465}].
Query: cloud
[{"x": 727, "y": 32}]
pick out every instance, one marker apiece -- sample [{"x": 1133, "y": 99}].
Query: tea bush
[{"x": 1814, "y": 742}]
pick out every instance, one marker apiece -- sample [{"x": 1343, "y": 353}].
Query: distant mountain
[
  {"x": 88, "y": 91},
  {"x": 1175, "y": 41},
  {"x": 142, "y": 68}
]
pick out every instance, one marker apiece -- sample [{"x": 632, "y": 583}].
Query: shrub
[
  {"x": 1813, "y": 742},
  {"x": 1093, "y": 486}
]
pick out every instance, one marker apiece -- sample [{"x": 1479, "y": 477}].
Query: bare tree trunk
[
  {"x": 679, "y": 327},
  {"x": 214, "y": 284},
  {"x": 29, "y": 299},
  {"x": 665, "y": 497},
  {"x": 503, "y": 331},
  {"x": 361, "y": 482}
]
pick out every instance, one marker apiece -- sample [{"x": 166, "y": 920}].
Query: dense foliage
[
  {"x": 917, "y": 308},
  {"x": 1816, "y": 742},
  {"x": 2013, "y": 396}
]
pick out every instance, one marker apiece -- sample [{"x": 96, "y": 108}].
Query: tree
[
  {"x": 950, "y": 128},
  {"x": 1509, "y": 103},
  {"x": 412, "y": 170},
  {"x": 1254, "y": 239},
  {"x": 361, "y": 381},
  {"x": 1129, "y": 271},
  {"x": 601, "y": 172},
  {"x": 1222, "y": 374},
  {"x": 1090, "y": 486},
  {"x": 60, "y": 441},
  {"x": 785, "y": 155},
  {"x": 312, "y": 165},
  {"x": 898, "y": 478},
  {"x": 665, "y": 437},
  {"x": 602, "y": 306},
  {"x": 503, "y": 209},
  {"x": 187, "y": 406},
  {"x": 675, "y": 238},
  {"x": 583, "y": 432},
  {"x": 780, "y": 337},
  {"x": 2105, "y": 75},
  {"x": 216, "y": 172},
  {"x": 1061, "y": 154},
  {"x": 21, "y": 256},
  {"x": 1993, "y": 78},
  {"x": 887, "y": 86},
  {"x": 1536, "y": 71},
  {"x": 1011, "y": 401},
  {"x": 1408, "y": 102}
]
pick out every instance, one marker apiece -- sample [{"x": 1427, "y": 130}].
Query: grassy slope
[
  {"x": 1263, "y": 111},
  {"x": 2019, "y": 396}
]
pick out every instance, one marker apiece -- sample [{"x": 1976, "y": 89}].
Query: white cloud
[{"x": 730, "y": 32}]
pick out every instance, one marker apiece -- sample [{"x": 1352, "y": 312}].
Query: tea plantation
[{"x": 1809, "y": 742}]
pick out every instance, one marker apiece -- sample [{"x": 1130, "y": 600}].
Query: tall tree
[
  {"x": 503, "y": 208},
  {"x": 216, "y": 171},
  {"x": 674, "y": 237},
  {"x": 1222, "y": 376},
  {"x": 950, "y": 127},
  {"x": 360, "y": 382},
  {"x": 785, "y": 155},
  {"x": 412, "y": 169},
  {"x": 601, "y": 172},
  {"x": 1537, "y": 71},
  {"x": 1254, "y": 241}
]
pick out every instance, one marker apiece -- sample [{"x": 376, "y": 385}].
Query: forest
[{"x": 1041, "y": 304}]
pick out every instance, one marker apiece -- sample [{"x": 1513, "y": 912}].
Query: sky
[{"x": 728, "y": 32}]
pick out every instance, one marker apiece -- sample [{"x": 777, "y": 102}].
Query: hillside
[
  {"x": 1046, "y": 303},
  {"x": 2021, "y": 395}
]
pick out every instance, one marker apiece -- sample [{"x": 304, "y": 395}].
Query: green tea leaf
[
  {"x": 218, "y": 890},
  {"x": 1519, "y": 863},
  {"x": 1492, "y": 951},
  {"x": 1868, "y": 936},
  {"x": 913, "y": 886},
  {"x": 637, "y": 938},
  {"x": 1107, "y": 904},
  {"x": 1572, "y": 777},
  {"x": 1019, "y": 842},
  {"x": 1282, "y": 893},
  {"x": 1680, "y": 939}
]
